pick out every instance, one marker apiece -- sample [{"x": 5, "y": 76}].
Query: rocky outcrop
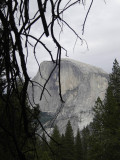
[{"x": 81, "y": 84}]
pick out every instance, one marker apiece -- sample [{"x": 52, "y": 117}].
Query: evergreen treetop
[
  {"x": 78, "y": 147},
  {"x": 105, "y": 127},
  {"x": 69, "y": 143}
]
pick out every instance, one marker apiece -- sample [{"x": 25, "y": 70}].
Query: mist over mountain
[{"x": 81, "y": 84}]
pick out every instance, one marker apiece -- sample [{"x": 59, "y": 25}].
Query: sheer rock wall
[{"x": 81, "y": 84}]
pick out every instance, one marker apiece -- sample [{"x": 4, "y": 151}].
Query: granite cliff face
[{"x": 81, "y": 84}]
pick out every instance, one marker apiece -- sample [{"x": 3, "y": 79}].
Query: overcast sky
[{"x": 102, "y": 33}]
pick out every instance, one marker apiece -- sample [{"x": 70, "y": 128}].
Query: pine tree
[
  {"x": 62, "y": 148},
  {"x": 104, "y": 129},
  {"x": 96, "y": 137},
  {"x": 55, "y": 144},
  {"x": 42, "y": 147},
  {"x": 78, "y": 147},
  {"x": 114, "y": 81},
  {"x": 85, "y": 142},
  {"x": 112, "y": 115},
  {"x": 106, "y": 124},
  {"x": 69, "y": 143}
]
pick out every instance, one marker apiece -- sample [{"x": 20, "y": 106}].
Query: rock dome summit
[{"x": 81, "y": 84}]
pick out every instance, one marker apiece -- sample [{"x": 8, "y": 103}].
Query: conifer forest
[
  {"x": 100, "y": 140},
  {"x": 19, "y": 118}
]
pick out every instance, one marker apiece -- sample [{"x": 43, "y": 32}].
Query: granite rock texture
[{"x": 81, "y": 84}]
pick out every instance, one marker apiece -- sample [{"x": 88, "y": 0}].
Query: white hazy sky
[{"x": 102, "y": 33}]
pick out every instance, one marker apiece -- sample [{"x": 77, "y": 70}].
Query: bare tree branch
[{"x": 17, "y": 28}]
